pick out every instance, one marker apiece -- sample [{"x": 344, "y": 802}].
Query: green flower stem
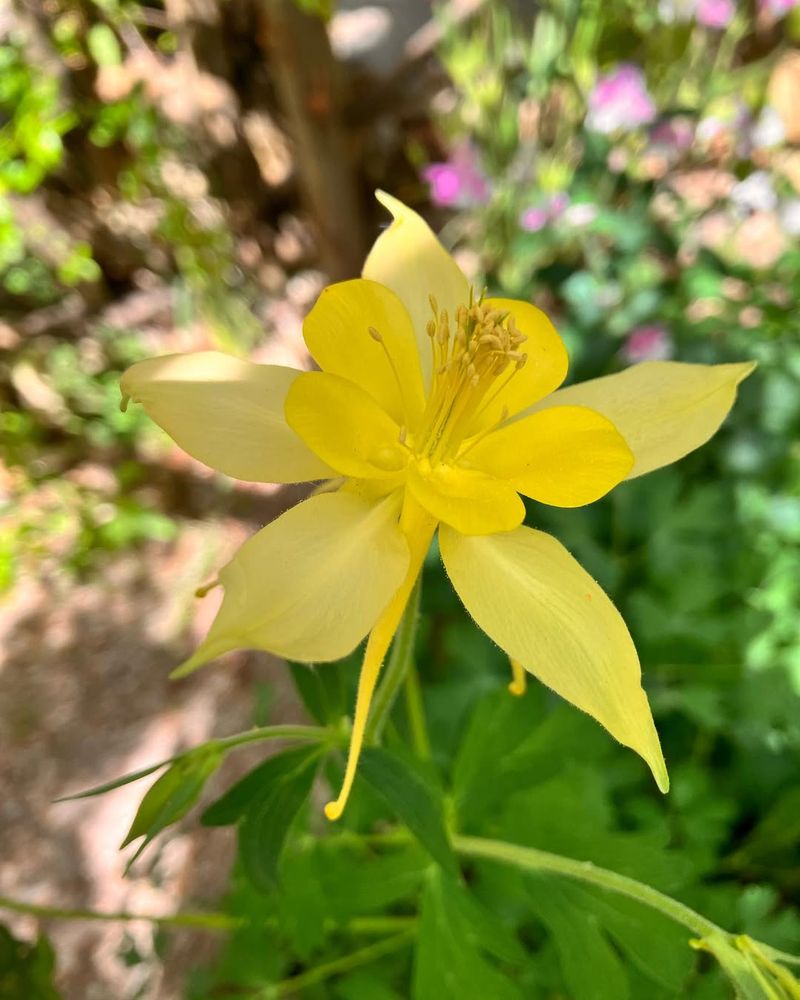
[
  {"x": 335, "y": 967},
  {"x": 531, "y": 860},
  {"x": 309, "y": 734},
  {"x": 399, "y": 662},
  {"x": 416, "y": 714},
  {"x": 208, "y": 921}
]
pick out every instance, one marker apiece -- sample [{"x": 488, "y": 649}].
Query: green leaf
[
  {"x": 448, "y": 963},
  {"x": 655, "y": 944},
  {"x": 26, "y": 969},
  {"x": 266, "y": 822},
  {"x": 592, "y": 969},
  {"x": 173, "y": 795},
  {"x": 230, "y": 807},
  {"x": 109, "y": 786},
  {"x": 356, "y": 880},
  {"x": 103, "y": 45},
  {"x": 321, "y": 689},
  {"x": 484, "y": 929},
  {"x": 412, "y": 799}
]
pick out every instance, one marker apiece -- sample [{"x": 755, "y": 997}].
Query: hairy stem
[
  {"x": 416, "y": 714},
  {"x": 532, "y": 860},
  {"x": 396, "y": 669}
]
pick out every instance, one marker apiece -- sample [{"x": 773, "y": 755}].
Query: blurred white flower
[
  {"x": 672, "y": 11},
  {"x": 581, "y": 214},
  {"x": 769, "y": 130},
  {"x": 790, "y": 216},
  {"x": 755, "y": 193}
]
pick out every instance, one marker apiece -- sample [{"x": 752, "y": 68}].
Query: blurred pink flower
[
  {"x": 715, "y": 13},
  {"x": 536, "y": 217},
  {"x": 674, "y": 135},
  {"x": 458, "y": 182},
  {"x": 620, "y": 101},
  {"x": 647, "y": 343},
  {"x": 777, "y": 8}
]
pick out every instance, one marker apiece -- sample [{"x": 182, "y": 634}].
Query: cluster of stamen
[{"x": 474, "y": 357}]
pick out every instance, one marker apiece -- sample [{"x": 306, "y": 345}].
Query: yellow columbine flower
[{"x": 435, "y": 407}]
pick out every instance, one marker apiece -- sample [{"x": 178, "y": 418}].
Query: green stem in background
[
  {"x": 202, "y": 921},
  {"x": 207, "y": 921},
  {"x": 415, "y": 711},
  {"x": 335, "y": 967},
  {"x": 400, "y": 660}
]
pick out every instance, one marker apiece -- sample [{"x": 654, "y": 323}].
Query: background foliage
[{"x": 670, "y": 235}]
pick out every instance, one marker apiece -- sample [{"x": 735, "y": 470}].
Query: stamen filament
[{"x": 376, "y": 336}]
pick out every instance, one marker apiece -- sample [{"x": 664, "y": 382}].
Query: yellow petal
[
  {"x": 311, "y": 584},
  {"x": 566, "y": 456},
  {"x": 345, "y": 426},
  {"x": 227, "y": 413},
  {"x": 545, "y": 368},
  {"x": 663, "y": 409},
  {"x": 528, "y": 594},
  {"x": 467, "y": 499},
  {"x": 337, "y": 332},
  {"x": 409, "y": 259}
]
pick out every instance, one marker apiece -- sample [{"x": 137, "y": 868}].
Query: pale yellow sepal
[
  {"x": 361, "y": 331},
  {"x": 566, "y": 456},
  {"x": 345, "y": 426},
  {"x": 410, "y": 260},
  {"x": 663, "y": 409},
  {"x": 528, "y": 594},
  {"x": 227, "y": 413},
  {"x": 311, "y": 584}
]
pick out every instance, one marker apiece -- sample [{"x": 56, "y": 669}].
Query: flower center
[{"x": 474, "y": 357}]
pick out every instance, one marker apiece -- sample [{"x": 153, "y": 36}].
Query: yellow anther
[
  {"x": 375, "y": 334},
  {"x": 468, "y": 360},
  {"x": 519, "y": 679}
]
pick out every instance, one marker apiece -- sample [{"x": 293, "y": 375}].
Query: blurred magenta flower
[
  {"x": 715, "y": 13},
  {"x": 458, "y": 182},
  {"x": 674, "y": 135},
  {"x": 620, "y": 101},
  {"x": 647, "y": 343},
  {"x": 533, "y": 219},
  {"x": 777, "y": 8},
  {"x": 536, "y": 217}
]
